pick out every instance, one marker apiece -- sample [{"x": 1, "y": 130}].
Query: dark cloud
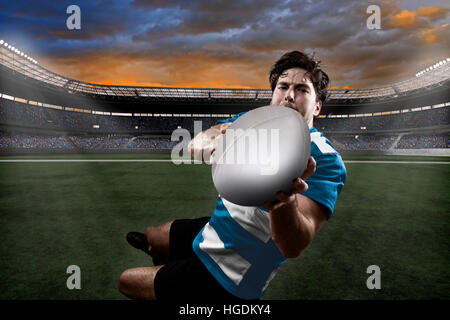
[
  {"x": 200, "y": 17},
  {"x": 224, "y": 43},
  {"x": 46, "y": 20}
]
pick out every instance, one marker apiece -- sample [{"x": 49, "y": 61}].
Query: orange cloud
[
  {"x": 125, "y": 69},
  {"x": 384, "y": 67},
  {"x": 429, "y": 37},
  {"x": 409, "y": 19},
  {"x": 434, "y": 35},
  {"x": 404, "y": 19},
  {"x": 432, "y": 12}
]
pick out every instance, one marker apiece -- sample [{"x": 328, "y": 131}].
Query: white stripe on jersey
[
  {"x": 321, "y": 143},
  {"x": 231, "y": 263},
  {"x": 253, "y": 219}
]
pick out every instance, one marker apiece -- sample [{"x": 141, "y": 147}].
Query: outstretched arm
[{"x": 294, "y": 218}]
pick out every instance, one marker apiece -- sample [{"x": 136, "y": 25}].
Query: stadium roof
[{"x": 16, "y": 60}]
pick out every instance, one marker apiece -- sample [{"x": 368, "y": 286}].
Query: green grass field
[{"x": 56, "y": 214}]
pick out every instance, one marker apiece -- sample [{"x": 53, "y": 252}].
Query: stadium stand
[
  {"x": 424, "y": 141},
  {"x": 23, "y": 141},
  {"x": 77, "y": 130},
  {"x": 20, "y": 114},
  {"x": 410, "y": 120}
]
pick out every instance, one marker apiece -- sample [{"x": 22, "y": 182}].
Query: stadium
[
  {"x": 82, "y": 164},
  {"x": 57, "y": 114}
]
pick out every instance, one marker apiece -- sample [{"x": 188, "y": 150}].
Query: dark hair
[{"x": 297, "y": 59}]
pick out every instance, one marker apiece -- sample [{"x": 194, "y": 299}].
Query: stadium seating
[{"x": 66, "y": 130}]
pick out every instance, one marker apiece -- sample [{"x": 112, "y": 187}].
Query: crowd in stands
[
  {"x": 424, "y": 141},
  {"x": 111, "y": 143},
  {"x": 122, "y": 142},
  {"x": 23, "y": 141},
  {"x": 362, "y": 142},
  {"x": 386, "y": 142},
  {"x": 417, "y": 119},
  {"x": 151, "y": 143},
  {"x": 17, "y": 113},
  {"x": 83, "y": 143},
  {"x": 135, "y": 133},
  {"x": 99, "y": 142}
]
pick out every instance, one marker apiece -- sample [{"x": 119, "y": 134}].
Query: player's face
[{"x": 295, "y": 90}]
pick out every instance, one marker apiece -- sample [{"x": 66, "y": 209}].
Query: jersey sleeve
[
  {"x": 327, "y": 181},
  {"x": 232, "y": 119}
]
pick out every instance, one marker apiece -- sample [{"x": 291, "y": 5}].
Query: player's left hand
[{"x": 299, "y": 186}]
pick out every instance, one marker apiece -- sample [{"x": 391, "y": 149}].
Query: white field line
[
  {"x": 167, "y": 160},
  {"x": 395, "y": 162},
  {"x": 85, "y": 160}
]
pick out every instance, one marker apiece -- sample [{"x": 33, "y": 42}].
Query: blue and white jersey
[{"x": 236, "y": 245}]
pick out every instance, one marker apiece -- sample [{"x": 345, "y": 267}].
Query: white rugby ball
[{"x": 261, "y": 153}]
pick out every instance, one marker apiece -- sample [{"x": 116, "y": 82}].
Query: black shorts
[{"x": 185, "y": 277}]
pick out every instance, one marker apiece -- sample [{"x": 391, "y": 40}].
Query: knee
[
  {"x": 153, "y": 235},
  {"x": 158, "y": 235},
  {"x": 137, "y": 283},
  {"x": 124, "y": 284}
]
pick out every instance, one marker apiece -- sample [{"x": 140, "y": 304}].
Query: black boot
[{"x": 139, "y": 241}]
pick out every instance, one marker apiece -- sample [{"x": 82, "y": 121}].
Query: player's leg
[
  {"x": 158, "y": 237},
  {"x": 172, "y": 240},
  {"x": 179, "y": 280},
  {"x": 183, "y": 277},
  {"x": 138, "y": 283},
  {"x": 154, "y": 242}
]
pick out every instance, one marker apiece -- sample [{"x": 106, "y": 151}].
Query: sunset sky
[{"x": 227, "y": 44}]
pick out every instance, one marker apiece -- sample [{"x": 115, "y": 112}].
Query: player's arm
[
  {"x": 206, "y": 140},
  {"x": 295, "y": 219}
]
